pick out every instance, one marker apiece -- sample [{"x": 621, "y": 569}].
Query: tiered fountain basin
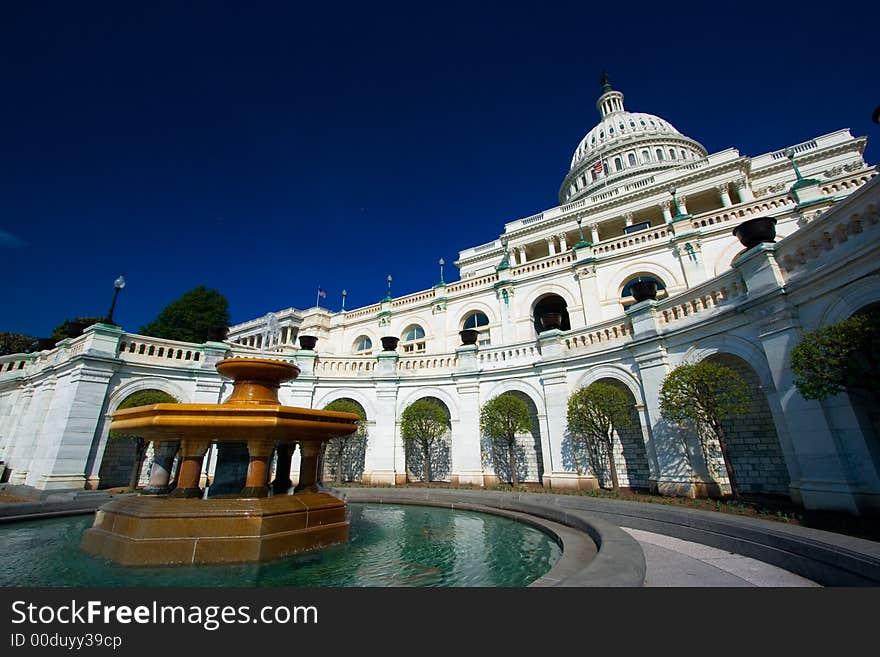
[{"x": 179, "y": 527}]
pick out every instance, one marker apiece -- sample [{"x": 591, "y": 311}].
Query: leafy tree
[
  {"x": 190, "y": 317},
  {"x": 338, "y": 447},
  {"x": 140, "y": 398},
  {"x": 705, "y": 394},
  {"x": 501, "y": 418},
  {"x": 423, "y": 423},
  {"x": 73, "y": 328},
  {"x": 15, "y": 343},
  {"x": 840, "y": 357},
  {"x": 595, "y": 413}
]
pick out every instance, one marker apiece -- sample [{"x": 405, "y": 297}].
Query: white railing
[
  {"x": 598, "y": 336},
  {"x": 649, "y": 236},
  {"x": 548, "y": 262},
  {"x": 701, "y": 298},
  {"x": 421, "y": 363},
  {"x": 509, "y": 356},
  {"x": 353, "y": 366},
  {"x": 141, "y": 348},
  {"x": 471, "y": 283}
]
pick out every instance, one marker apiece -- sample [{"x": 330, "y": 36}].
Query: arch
[
  {"x": 126, "y": 390},
  {"x": 478, "y": 315},
  {"x": 435, "y": 460},
  {"x": 414, "y": 394},
  {"x": 518, "y": 385},
  {"x": 725, "y": 258},
  {"x": 331, "y": 395},
  {"x": 344, "y": 457},
  {"x": 850, "y": 299},
  {"x": 615, "y": 286},
  {"x": 549, "y": 303},
  {"x": 751, "y": 441},
  {"x": 616, "y": 372},
  {"x": 528, "y": 452},
  {"x": 363, "y": 345},
  {"x": 731, "y": 344}
]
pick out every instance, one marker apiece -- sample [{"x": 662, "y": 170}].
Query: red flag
[
  {"x": 322, "y": 294},
  {"x": 598, "y": 168}
]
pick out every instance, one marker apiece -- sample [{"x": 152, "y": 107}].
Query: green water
[{"x": 391, "y": 545}]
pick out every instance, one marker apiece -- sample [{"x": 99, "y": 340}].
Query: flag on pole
[
  {"x": 598, "y": 167},
  {"x": 322, "y": 293}
]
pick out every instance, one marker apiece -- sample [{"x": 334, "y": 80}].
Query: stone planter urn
[
  {"x": 551, "y": 321},
  {"x": 642, "y": 290},
  {"x": 754, "y": 231},
  {"x": 389, "y": 343},
  {"x": 307, "y": 342},
  {"x": 469, "y": 336}
]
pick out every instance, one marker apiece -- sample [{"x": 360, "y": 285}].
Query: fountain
[{"x": 182, "y": 528}]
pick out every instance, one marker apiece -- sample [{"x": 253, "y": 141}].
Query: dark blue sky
[{"x": 267, "y": 148}]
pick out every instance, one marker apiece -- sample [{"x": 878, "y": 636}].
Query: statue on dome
[{"x": 606, "y": 82}]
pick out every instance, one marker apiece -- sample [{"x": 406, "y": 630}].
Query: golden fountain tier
[{"x": 180, "y": 527}]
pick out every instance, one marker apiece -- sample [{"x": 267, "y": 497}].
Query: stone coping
[{"x": 824, "y": 557}]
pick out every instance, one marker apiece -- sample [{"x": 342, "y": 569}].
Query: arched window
[
  {"x": 413, "y": 339},
  {"x": 618, "y": 165},
  {"x": 363, "y": 346},
  {"x": 671, "y": 153},
  {"x": 659, "y": 155},
  {"x": 632, "y": 159},
  {"x": 646, "y": 156},
  {"x": 626, "y": 294},
  {"x": 683, "y": 156},
  {"x": 479, "y": 322}
]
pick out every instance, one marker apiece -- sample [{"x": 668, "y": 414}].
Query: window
[
  {"x": 659, "y": 155},
  {"x": 646, "y": 157},
  {"x": 632, "y": 160},
  {"x": 671, "y": 154},
  {"x": 479, "y": 322},
  {"x": 683, "y": 156},
  {"x": 363, "y": 346},
  {"x": 618, "y": 165},
  {"x": 626, "y": 295},
  {"x": 413, "y": 340}
]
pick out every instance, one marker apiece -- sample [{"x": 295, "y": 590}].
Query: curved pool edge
[
  {"x": 827, "y": 558},
  {"x": 616, "y": 560}
]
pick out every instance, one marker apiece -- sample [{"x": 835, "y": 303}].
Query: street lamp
[
  {"x": 389, "y": 288},
  {"x": 442, "y": 262},
  {"x": 675, "y": 203},
  {"x": 344, "y": 294},
  {"x": 118, "y": 284}
]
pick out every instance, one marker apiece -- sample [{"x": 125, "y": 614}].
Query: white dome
[
  {"x": 624, "y": 147},
  {"x": 619, "y": 126}
]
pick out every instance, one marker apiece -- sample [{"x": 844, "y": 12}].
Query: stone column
[
  {"x": 563, "y": 244},
  {"x": 259, "y": 452},
  {"x": 282, "y": 482},
  {"x": 521, "y": 255},
  {"x": 589, "y": 290},
  {"x": 667, "y": 213},
  {"x": 467, "y": 467},
  {"x": 551, "y": 246},
  {"x": 724, "y": 193},
  {"x": 160, "y": 472},
  {"x": 594, "y": 233},
  {"x": 628, "y": 219},
  {"x": 379, "y": 461},
  {"x": 192, "y": 452},
  {"x": 308, "y": 469},
  {"x": 744, "y": 190}
]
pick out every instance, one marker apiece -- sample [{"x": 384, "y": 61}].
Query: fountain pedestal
[{"x": 182, "y": 528}]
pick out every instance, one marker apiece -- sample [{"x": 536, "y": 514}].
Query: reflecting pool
[{"x": 391, "y": 545}]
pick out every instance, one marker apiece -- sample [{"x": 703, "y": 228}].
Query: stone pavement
[{"x": 674, "y": 562}]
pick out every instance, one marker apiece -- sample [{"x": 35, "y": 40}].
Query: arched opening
[
  {"x": 127, "y": 459},
  {"x": 478, "y": 321},
  {"x": 752, "y": 443},
  {"x": 626, "y": 293},
  {"x": 343, "y": 458},
  {"x": 630, "y": 456},
  {"x": 545, "y": 310},
  {"x": 363, "y": 346},
  {"x": 412, "y": 340},
  {"x": 528, "y": 455},
  {"x": 427, "y": 440},
  {"x": 865, "y": 400}
]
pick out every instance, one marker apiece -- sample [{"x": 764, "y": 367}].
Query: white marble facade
[{"x": 618, "y": 220}]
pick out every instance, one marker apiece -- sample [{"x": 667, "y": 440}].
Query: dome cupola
[{"x": 623, "y": 148}]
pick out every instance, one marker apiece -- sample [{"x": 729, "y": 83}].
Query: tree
[
  {"x": 15, "y": 343},
  {"x": 838, "y": 358},
  {"x": 140, "y": 398},
  {"x": 705, "y": 394},
  {"x": 595, "y": 413},
  {"x": 338, "y": 447},
  {"x": 190, "y": 317},
  {"x": 501, "y": 418},
  {"x": 73, "y": 328},
  {"x": 423, "y": 423}
]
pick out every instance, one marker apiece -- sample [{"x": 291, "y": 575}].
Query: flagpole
[{"x": 318, "y": 298}]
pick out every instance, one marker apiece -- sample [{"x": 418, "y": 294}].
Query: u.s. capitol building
[{"x": 641, "y": 202}]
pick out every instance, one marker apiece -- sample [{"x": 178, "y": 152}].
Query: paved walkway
[{"x": 674, "y": 562}]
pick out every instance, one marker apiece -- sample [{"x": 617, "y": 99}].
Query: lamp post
[
  {"x": 118, "y": 284},
  {"x": 344, "y": 294},
  {"x": 442, "y": 262},
  {"x": 789, "y": 153},
  {"x": 388, "y": 296},
  {"x": 675, "y": 203}
]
